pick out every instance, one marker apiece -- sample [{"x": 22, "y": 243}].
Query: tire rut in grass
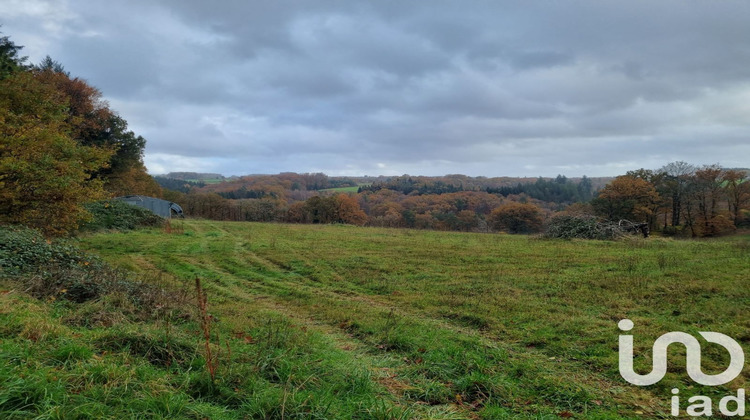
[
  {"x": 281, "y": 290},
  {"x": 487, "y": 339},
  {"x": 307, "y": 314},
  {"x": 231, "y": 286}
]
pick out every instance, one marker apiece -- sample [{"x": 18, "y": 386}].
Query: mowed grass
[{"x": 388, "y": 323}]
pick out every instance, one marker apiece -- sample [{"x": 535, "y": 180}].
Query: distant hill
[
  {"x": 280, "y": 185},
  {"x": 745, "y": 170},
  {"x": 193, "y": 176}
]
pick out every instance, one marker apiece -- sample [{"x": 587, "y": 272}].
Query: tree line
[
  {"x": 560, "y": 190},
  {"x": 460, "y": 211},
  {"x": 61, "y": 145},
  {"x": 679, "y": 198},
  {"x": 464, "y": 211}
]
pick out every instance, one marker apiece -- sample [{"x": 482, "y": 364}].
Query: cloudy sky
[{"x": 516, "y": 88}]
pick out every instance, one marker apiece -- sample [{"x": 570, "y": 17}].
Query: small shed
[{"x": 163, "y": 208}]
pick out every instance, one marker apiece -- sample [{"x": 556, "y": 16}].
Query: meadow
[
  {"x": 336, "y": 321},
  {"x": 341, "y": 190}
]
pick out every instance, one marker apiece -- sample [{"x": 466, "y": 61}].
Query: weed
[
  {"x": 212, "y": 361},
  {"x": 174, "y": 227}
]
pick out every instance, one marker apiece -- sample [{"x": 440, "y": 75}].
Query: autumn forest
[{"x": 63, "y": 146}]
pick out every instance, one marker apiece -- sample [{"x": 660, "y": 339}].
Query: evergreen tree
[{"x": 10, "y": 61}]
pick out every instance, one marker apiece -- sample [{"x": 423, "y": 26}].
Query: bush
[
  {"x": 716, "y": 226},
  {"x": 24, "y": 250},
  {"x": 582, "y": 227},
  {"x": 118, "y": 215},
  {"x": 57, "y": 270},
  {"x": 517, "y": 218}
]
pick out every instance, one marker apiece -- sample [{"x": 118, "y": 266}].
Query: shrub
[
  {"x": 517, "y": 218},
  {"x": 582, "y": 227},
  {"x": 57, "y": 270},
  {"x": 24, "y": 250},
  {"x": 118, "y": 215},
  {"x": 715, "y": 226}
]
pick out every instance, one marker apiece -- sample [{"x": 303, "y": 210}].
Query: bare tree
[{"x": 677, "y": 183}]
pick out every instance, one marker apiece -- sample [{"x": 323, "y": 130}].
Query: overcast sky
[{"x": 494, "y": 88}]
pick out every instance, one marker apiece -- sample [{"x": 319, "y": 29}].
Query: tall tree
[
  {"x": 737, "y": 190},
  {"x": 676, "y": 183},
  {"x": 44, "y": 173},
  {"x": 707, "y": 195},
  {"x": 93, "y": 123},
  {"x": 10, "y": 61},
  {"x": 48, "y": 64},
  {"x": 660, "y": 205},
  {"x": 585, "y": 189},
  {"x": 626, "y": 197}
]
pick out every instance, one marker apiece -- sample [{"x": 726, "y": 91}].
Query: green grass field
[
  {"x": 207, "y": 180},
  {"x": 342, "y": 189},
  {"x": 348, "y": 322}
]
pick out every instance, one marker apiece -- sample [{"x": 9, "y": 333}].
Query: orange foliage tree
[
  {"x": 517, "y": 218},
  {"x": 706, "y": 216},
  {"x": 737, "y": 188},
  {"x": 341, "y": 208},
  {"x": 44, "y": 173},
  {"x": 347, "y": 210},
  {"x": 627, "y": 197},
  {"x": 93, "y": 123}
]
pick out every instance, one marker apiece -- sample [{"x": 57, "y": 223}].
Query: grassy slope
[{"x": 446, "y": 325}]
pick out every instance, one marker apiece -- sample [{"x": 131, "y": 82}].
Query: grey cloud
[{"x": 524, "y": 88}]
